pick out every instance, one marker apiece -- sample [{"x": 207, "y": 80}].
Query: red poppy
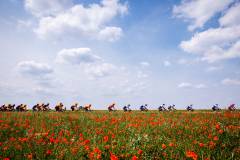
[
  {"x": 220, "y": 131},
  {"x": 113, "y": 157},
  {"x": 217, "y": 126},
  {"x": 215, "y": 138},
  {"x": 105, "y": 138},
  {"x": 49, "y": 152},
  {"x": 201, "y": 144},
  {"x": 191, "y": 154},
  {"x": 164, "y": 146},
  {"x": 86, "y": 141},
  {"x": 134, "y": 158},
  {"x": 140, "y": 151}
]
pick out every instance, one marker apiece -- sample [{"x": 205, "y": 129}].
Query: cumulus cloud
[
  {"x": 110, "y": 34},
  {"x": 40, "y": 74},
  {"x": 34, "y": 68},
  {"x": 190, "y": 85},
  {"x": 100, "y": 70},
  {"x": 219, "y": 43},
  {"x": 229, "y": 81},
  {"x": 87, "y": 21},
  {"x": 91, "y": 64},
  {"x": 214, "y": 44},
  {"x": 232, "y": 16},
  {"x": 42, "y": 8},
  {"x": 198, "y": 12},
  {"x": 77, "y": 56}
]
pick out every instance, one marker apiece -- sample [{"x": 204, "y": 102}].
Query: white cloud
[
  {"x": 185, "y": 85},
  {"x": 100, "y": 70},
  {"x": 228, "y": 81},
  {"x": 41, "y": 8},
  {"x": 87, "y": 21},
  {"x": 167, "y": 63},
  {"x": 77, "y": 56},
  {"x": 190, "y": 85},
  {"x": 198, "y": 12},
  {"x": 110, "y": 34},
  {"x": 91, "y": 64},
  {"x": 40, "y": 74},
  {"x": 214, "y": 44},
  {"x": 34, "y": 68},
  {"x": 232, "y": 16},
  {"x": 145, "y": 64}
]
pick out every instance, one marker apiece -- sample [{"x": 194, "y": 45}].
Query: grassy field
[{"x": 103, "y": 135}]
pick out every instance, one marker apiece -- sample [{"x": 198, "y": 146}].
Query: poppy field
[{"x": 117, "y": 135}]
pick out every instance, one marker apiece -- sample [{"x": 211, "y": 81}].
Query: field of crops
[{"x": 118, "y": 135}]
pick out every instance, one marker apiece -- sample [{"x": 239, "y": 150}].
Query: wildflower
[
  {"x": 105, "y": 138},
  {"x": 164, "y": 146},
  {"x": 113, "y": 157},
  {"x": 164, "y": 154},
  {"x": 220, "y": 131},
  {"x": 6, "y": 158},
  {"x": 99, "y": 156},
  {"x": 86, "y": 141},
  {"x": 215, "y": 138},
  {"x": 140, "y": 151},
  {"x": 5, "y": 148},
  {"x": 74, "y": 151},
  {"x": 191, "y": 154},
  {"x": 12, "y": 139},
  {"x": 80, "y": 135},
  {"x": 22, "y": 139},
  {"x": 113, "y": 135},
  {"x": 201, "y": 145},
  {"x": 49, "y": 152},
  {"x": 87, "y": 148},
  {"x": 107, "y": 147},
  {"x": 211, "y": 144},
  {"x": 29, "y": 156},
  {"x": 217, "y": 126},
  {"x": 91, "y": 155},
  {"x": 171, "y": 144},
  {"x": 96, "y": 150},
  {"x": 51, "y": 140},
  {"x": 134, "y": 158}
]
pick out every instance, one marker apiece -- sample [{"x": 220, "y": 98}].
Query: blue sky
[{"x": 123, "y": 51}]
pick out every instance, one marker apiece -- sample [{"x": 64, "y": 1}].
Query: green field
[{"x": 135, "y": 135}]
